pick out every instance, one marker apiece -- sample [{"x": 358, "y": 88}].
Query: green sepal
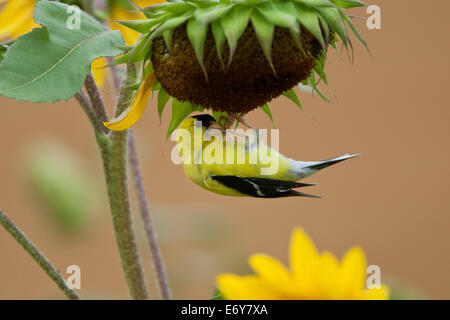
[
  {"x": 140, "y": 25},
  {"x": 310, "y": 20},
  {"x": 180, "y": 110},
  {"x": 311, "y": 81},
  {"x": 234, "y": 25},
  {"x": 347, "y": 4},
  {"x": 167, "y": 36},
  {"x": 138, "y": 53},
  {"x": 292, "y": 95},
  {"x": 212, "y": 13},
  {"x": 268, "y": 112},
  {"x": 355, "y": 31},
  {"x": 196, "y": 32},
  {"x": 132, "y": 87},
  {"x": 172, "y": 23},
  {"x": 219, "y": 39},
  {"x": 176, "y": 8},
  {"x": 264, "y": 32},
  {"x": 334, "y": 20},
  {"x": 317, "y": 3},
  {"x": 163, "y": 99},
  {"x": 282, "y": 14}
]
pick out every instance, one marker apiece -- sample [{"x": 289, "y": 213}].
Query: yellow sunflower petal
[
  {"x": 26, "y": 27},
  {"x": 99, "y": 71},
  {"x": 14, "y": 15},
  {"x": 376, "y": 294},
  {"x": 273, "y": 272},
  {"x": 353, "y": 272},
  {"x": 234, "y": 287},
  {"x": 327, "y": 277},
  {"x": 303, "y": 254},
  {"x": 120, "y": 13},
  {"x": 132, "y": 114}
]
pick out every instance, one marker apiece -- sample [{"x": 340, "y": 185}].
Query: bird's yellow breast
[{"x": 223, "y": 158}]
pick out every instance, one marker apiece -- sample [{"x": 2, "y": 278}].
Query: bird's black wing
[{"x": 263, "y": 188}]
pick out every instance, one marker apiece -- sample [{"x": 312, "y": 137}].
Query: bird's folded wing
[{"x": 262, "y": 188}]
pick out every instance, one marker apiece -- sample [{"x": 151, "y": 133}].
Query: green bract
[{"x": 237, "y": 55}]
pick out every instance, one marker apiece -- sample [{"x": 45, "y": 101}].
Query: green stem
[
  {"x": 37, "y": 255},
  {"x": 158, "y": 263},
  {"x": 113, "y": 147}
]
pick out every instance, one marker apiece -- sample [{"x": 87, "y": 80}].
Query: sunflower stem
[
  {"x": 160, "y": 270},
  {"x": 113, "y": 148},
  {"x": 98, "y": 106},
  {"x": 85, "y": 103},
  {"x": 158, "y": 262},
  {"x": 37, "y": 255}
]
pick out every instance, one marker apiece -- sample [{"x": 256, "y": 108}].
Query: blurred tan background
[{"x": 393, "y": 200}]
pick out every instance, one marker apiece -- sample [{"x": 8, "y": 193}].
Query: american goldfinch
[{"x": 240, "y": 167}]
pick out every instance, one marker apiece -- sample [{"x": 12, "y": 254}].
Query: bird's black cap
[{"x": 206, "y": 119}]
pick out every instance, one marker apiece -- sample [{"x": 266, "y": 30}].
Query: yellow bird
[{"x": 240, "y": 166}]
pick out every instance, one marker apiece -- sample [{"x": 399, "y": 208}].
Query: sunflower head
[{"x": 237, "y": 55}]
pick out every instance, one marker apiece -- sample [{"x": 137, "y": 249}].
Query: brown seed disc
[{"x": 249, "y": 82}]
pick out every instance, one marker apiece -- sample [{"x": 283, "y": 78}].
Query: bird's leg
[
  {"x": 241, "y": 120},
  {"x": 225, "y": 122}
]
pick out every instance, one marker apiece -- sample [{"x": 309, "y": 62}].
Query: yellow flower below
[{"x": 312, "y": 275}]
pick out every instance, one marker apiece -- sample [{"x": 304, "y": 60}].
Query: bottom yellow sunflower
[{"x": 313, "y": 275}]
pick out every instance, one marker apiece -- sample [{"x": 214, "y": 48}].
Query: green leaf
[
  {"x": 196, "y": 32},
  {"x": 163, "y": 98},
  {"x": 292, "y": 95},
  {"x": 309, "y": 19},
  {"x": 267, "y": 111},
  {"x": 219, "y": 39},
  {"x": 212, "y": 13},
  {"x": 180, "y": 110},
  {"x": 234, "y": 24},
  {"x": 264, "y": 32},
  {"x": 51, "y": 63},
  {"x": 347, "y": 4}
]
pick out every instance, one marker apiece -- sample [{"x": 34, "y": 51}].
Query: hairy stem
[
  {"x": 98, "y": 105},
  {"x": 149, "y": 229},
  {"x": 113, "y": 147},
  {"x": 37, "y": 255},
  {"x": 152, "y": 238},
  {"x": 85, "y": 103}
]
